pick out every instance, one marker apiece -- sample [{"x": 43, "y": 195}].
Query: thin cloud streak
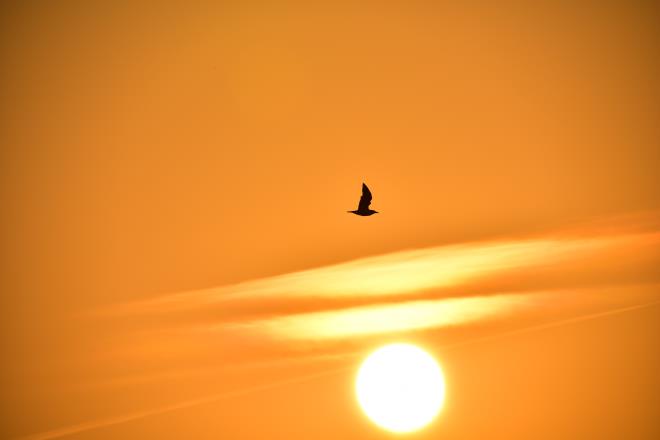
[
  {"x": 411, "y": 316},
  {"x": 125, "y": 418},
  {"x": 389, "y": 318},
  {"x": 399, "y": 273}
]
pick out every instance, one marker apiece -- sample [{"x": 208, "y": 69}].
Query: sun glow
[{"x": 400, "y": 387}]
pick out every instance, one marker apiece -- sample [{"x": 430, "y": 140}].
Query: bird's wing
[{"x": 365, "y": 200}]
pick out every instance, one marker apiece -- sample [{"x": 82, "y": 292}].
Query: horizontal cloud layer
[{"x": 455, "y": 270}]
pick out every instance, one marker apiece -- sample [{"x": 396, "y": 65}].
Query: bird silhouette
[{"x": 365, "y": 201}]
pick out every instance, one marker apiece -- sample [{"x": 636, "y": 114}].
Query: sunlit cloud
[
  {"x": 389, "y": 318},
  {"x": 405, "y": 272},
  {"x": 411, "y": 316}
]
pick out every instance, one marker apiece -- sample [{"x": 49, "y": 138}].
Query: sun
[{"x": 400, "y": 387}]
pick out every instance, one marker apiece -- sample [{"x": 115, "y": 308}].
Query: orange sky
[{"x": 177, "y": 257}]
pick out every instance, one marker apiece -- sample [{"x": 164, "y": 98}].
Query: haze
[{"x": 177, "y": 257}]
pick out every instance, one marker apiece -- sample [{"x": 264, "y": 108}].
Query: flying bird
[{"x": 365, "y": 201}]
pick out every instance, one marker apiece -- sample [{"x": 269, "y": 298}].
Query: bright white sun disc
[{"x": 400, "y": 387}]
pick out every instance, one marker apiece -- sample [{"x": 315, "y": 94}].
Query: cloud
[
  {"x": 388, "y": 318},
  {"x": 440, "y": 287},
  {"x": 533, "y": 264}
]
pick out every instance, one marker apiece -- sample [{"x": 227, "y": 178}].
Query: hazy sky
[{"x": 175, "y": 178}]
